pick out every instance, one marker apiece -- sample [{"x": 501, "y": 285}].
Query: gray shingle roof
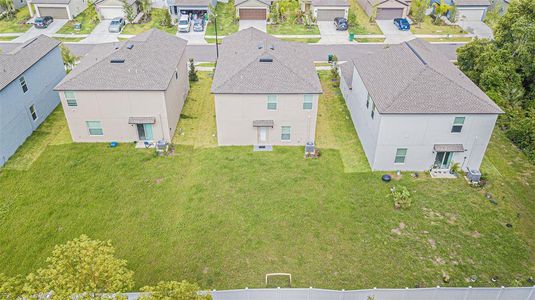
[
  {"x": 51, "y": 1},
  {"x": 149, "y": 65},
  {"x": 240, "y": 70},
  {"x": 330, "y": 3},
  {"x": 412, "y": 78},
  {"x": 472, "y": 2},
  {"x": 193, "y": 3},
  {"x": 21, "y": 58},
  {"x": 238, "y": 2}
]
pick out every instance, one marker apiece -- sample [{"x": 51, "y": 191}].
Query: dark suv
[
  {"x": 340, "y": 23},
  {"x": 43, "y": 22}
]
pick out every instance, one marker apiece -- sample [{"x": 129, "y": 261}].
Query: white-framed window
[
  {"x": 70, "y": 98},
  {"x": 373, "y": 110},
  {"x": 368, "y": 99},
  {"x": 458, "y": 123},
  {"x": 401, "y": 153},
  {"x": 23, "y": 84},
  {"x": 307, "y": 102},
  {"x": 286, "y": 133},
  {"x": 33, "y": 113},
  {"x": 272, "y": 102},
  {"x": 94, "y": 127}
]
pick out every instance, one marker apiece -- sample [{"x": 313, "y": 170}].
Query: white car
[{"x": 184, "y": 23}]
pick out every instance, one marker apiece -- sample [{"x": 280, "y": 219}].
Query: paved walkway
[
  {"x": 101, "y": 34},
  {"x": 478, "y": 28},
  {"x": 258, "y": 24},
  {"x": 329, "y": 34},
  {"x": 35, "y": 32},
  {"x": 392, "y": 33}
]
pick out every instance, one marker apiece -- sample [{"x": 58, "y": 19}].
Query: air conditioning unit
[{"x": 473, "y": 175}]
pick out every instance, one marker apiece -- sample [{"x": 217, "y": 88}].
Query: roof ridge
[
  {"x": 237, "y": 71},
  {"x": 413, "y": 79},
  {"x": 293, "y": 72}
]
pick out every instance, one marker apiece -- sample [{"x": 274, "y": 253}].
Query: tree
[
  {"x": 8, "y": 7},
  {"x": 165, "y": 19},
  {"x": 128, "y": 10},
  {"x": 91, "y": 12},
  {"x": 12, "y": 287},
  {"x": 418, "y": 8},
  {"x": 69, "y": 60},
  {"x": 82, "y": 266},
  {"x": 441, "y": 9},
  {"x": 192, "y": 71},
  {"x": 173, "y": 290},
  {"x": 145, "y": 8}
]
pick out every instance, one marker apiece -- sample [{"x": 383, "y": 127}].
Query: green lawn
[
  {"x": 370, "y": 40},
  {"x": 69, "y": 39},
  {"x": 292, "y": 29},
  {"x": 427, "y": 27},
  {"x": 154, "y": 22},
  {"x": 364, "y": 24},
  {"x": 226, "y": 216},
  {"x": 16, "y": 24},
  {"x": 7, "y": 38},
  {"x": 226, "y": 20},
  {"x": 301, "y": 40},
  {"x": 87, "y": 24},
  {"x": 451, "y": 40}
]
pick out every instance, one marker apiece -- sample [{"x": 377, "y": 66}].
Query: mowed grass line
[
  {"x": 335, "y": 128},
  {"x": 197, "y": 125},
  {"x": 52, "y": 131}
]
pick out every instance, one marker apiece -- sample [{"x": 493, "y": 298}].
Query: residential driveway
[
  {"x": 101, "y": 35},
  {"x": 193, "y": 38},
  {"x": 392, "y": 34},
  {"x": 329, "y": 34},
  {"x": 34, "y": 32},
  {"x": 480, "y": 29},
  {"x": 258, "y": 24}
]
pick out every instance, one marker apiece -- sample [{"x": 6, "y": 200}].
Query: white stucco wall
[
  {"x": 385, "y": 133},
  {"x": 419, "y": 133},
  {"x": 235, "y": 115}
]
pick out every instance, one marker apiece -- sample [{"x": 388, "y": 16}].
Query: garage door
[
  {"x": 109, "y": 13},
  {"x": 389, "y": 13},
  {"x": 252, "y": 14},
  {"x": 54, "y": 12},
  {"x": 471, "y": 14},
  {"x": 330, "y": 14}
]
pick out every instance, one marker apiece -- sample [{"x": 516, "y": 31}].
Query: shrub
[{"x": 402, "y": 197}]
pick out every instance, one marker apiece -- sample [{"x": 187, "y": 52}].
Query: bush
[{"x": 402, "y": 197}]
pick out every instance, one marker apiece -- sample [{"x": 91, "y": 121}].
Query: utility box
[{"x": 473, "y": 175}]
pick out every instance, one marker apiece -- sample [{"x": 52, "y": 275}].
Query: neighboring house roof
[
  {"x": 472, "y": 2},
  {"x": 50, "y": 1},
  {"x": 113, "y": 3},
  {"x": 238, "y": 2},
  {"x": 191, "y": 3},
  {"x": 24, "y": 56},
  {"x": 253, "y": 62},
  {"x": 389, "y": 3},
  {"x": 330, "y": 3},
  {"x": 412, "y": 78},
  {"x": 145, "y": 62}
]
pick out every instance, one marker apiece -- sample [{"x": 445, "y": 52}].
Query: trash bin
[
  {"x": 330, "y": 58},
  {"x": 351, "y": 36},
  {"x": 77, "y": 26}
]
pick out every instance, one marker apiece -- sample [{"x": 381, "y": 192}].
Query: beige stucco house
[
  {"x": 58, "y": 9},
  {"x": 266, "y": 91},
  {"x": 126, "y": 92},
  {"x": 386, "y": 9},
  {"x": 252, "y": 9}
]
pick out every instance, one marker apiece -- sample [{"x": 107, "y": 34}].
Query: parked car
[
  {"x": 116, "y": 25},
  {"x": 184, "y": 23},
  {"x": 198, "y": 24},
  {"x": 340, "y": 23},
  {"x": 43, "y": 22},
  {"x": 402, "y": 24}
]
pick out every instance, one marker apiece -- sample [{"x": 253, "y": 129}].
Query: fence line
[{"x": 436, "y": 293}]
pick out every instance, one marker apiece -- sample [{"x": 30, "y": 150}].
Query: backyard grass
[
  {"x": 154, "y": 22},
  {"x": 363, "y": 20},
  {"x": 226, "y": 20},
  {"x": 83, "y": 18},
  {"x": 292, "y": 29},
  {"x": 427, "y": 27},
  {"x": 370, "y": 40},
  {"x": 16, "y": 24},
  {"x": 301, "y": 40},
  {"x": 225, "y": 216}
]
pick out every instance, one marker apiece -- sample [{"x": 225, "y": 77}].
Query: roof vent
[
  {"x": 117, "y": 60},
  {"x": 129, "y": 46},
  {"x": 416, "y": 53},
  {"x": 266, "y": 59},
  {"x": 260, "y": 45},
  {"x": 272, "y": 47}
]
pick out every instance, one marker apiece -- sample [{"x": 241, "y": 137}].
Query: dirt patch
[
  {"x": 475, "y": 234},
  {"x": 158, "y": 180},
  {"x": 432, "y": 243},
  {"x": 398, "y": 230}
]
